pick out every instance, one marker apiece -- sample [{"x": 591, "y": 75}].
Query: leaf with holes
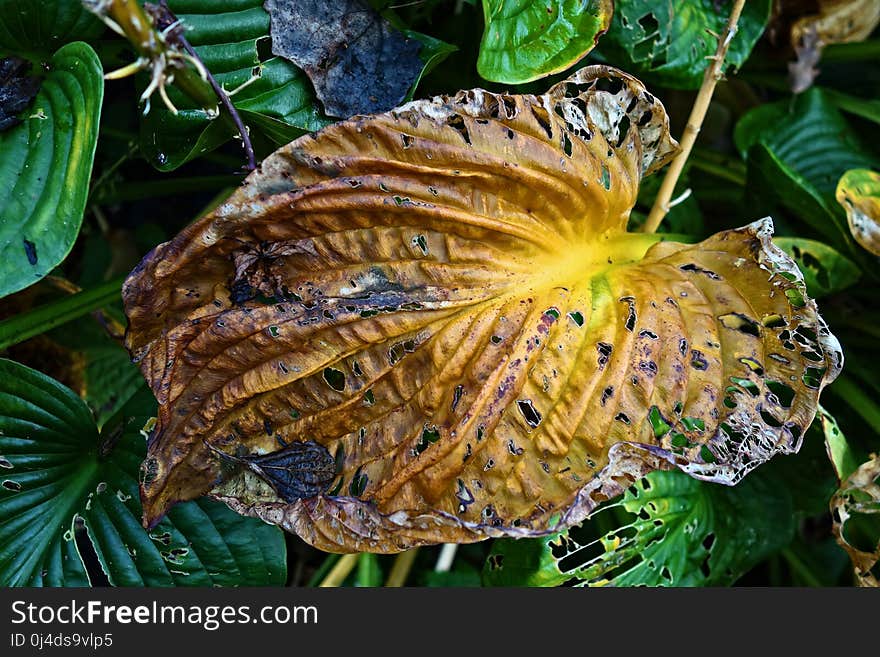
[
  {"x": 446, "y": 300},
  {"x": 529, "y": 39},
  {"x": 45, "y": 165},
  {"x": 66, "y": 488},
  {"x": 671, "y": 41},
  {"x": 671, "y": 530},
  {"x": 858, "y": 192},
  {"x": 855, "y": 509},
  {"x": 825, "y": 269}
]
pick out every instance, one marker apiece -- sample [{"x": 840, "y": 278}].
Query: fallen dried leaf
[
  {"x": 357, "y": 61},
  {"x": 858, "y": 191},
  {"x": 446, "y": 299},
  {"x": 859, "y": 496}
]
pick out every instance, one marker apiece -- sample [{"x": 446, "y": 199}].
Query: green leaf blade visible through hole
[
  {"x": 62, "y": 487},
  {"x": 669, "y": 530},
  {"x": 525, "y": 39},
  {"x": 45, "y": 166}
]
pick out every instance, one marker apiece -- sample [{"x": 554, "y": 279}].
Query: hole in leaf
[{"x": 334, "y": 378}]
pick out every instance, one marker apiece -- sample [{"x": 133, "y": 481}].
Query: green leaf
[
  {"x": 37, "y": 29},
  {"x": 825, "y": 269},
  {"x": 57, "y": 313},
  {"x": 369, "y": 573},
  {"x": 45, "y": 165},
  {"x": 65, "y": 487},
  {"x": 796, "y": 151},
  {"x": 278, "y": 100},
  {"x": 841, "y": 455},
  {"x": 673, "y": 531},
  {"x": 668, "y": 42},
  {"x": 529, "y": 39}
]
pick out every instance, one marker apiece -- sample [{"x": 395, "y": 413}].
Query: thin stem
[
  {"x": 55, "y": 313},
  {"x": 218, "y": 90},
  {"x": 340, "y": 571},
  {"x": 400, "y": 570},
  {"x": 695, "y": 122},
  {"x": 447, "y": 556}
]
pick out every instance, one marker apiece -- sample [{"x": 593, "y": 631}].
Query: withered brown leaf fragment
[
  {"x": 859, "y": 498},
  {"x": 357, "y": 61},
  {"x": 446, "y": 299}
]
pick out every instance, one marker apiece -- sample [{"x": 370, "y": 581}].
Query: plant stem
[
  {"x": 400, "y": 570},
  {"x": 340, "y": 571},
  {"x": 447, "y": 556},
  {"x": 54, "y": 314},
  {"x": 162, "y": 43},
  {"x": 695, "y": 121},
  {"x": 220, "y": 92}
]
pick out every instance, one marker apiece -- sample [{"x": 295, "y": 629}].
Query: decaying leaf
[
  {"x": 445, "y": 298},
  {"x": 837, "y": 21},
  {"x": 356, "y": 60},
  {"x": 17, "y": 89},
  {"x": 859, "y": 500},
  {"x": 858, "y": 191}
]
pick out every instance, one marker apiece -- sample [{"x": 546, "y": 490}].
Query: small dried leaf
[
  {"x": 444, "y": 297},
  {"x": 357, "y": 61},
  {"x": 858, "y": 191},
  {"x": 837, "y": 21},
  {"x": 858, "y": 499},
  {"x": 17, "y": 90}
]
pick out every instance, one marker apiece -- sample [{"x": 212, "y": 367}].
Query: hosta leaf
[
  {"x": 444, "y": 297},
  {"x": 45, "y": 165},
  {"x": 859, "y": 193},
  {"x": 797, "y": 151},
  {"x": 529, "y": 39},
  {"x": 825, "y": 269},
  {"x": 39, "y": 28},
  {"x": 60, "y": 478},
  {"x": 676, "y": 531},
  {"x": 278, "y": 99},
  {"x": 670, "y": 41}
]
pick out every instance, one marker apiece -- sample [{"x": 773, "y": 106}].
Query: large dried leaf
[
  {"x": 444, "y": 298},
  {"x": 858, "y": 191}
]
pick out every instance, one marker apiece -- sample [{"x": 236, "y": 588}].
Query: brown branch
[{"x": 695, "y": 121}]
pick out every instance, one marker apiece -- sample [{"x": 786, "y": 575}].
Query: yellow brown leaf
[{"x": 445, "y": 300}]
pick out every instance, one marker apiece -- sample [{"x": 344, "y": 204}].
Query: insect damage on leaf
[
  {"x": 17, "y": 89},
  {"x": 446, "y": 299},
  {"x": 854, "y": 509},
  {"x": 358, "y": 62}
]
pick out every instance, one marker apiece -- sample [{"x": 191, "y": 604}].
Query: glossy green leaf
[
  {"x": 64, "y": 487},
  {"x": 669, "y": 42},
  {"x": 797, "y": 151},
  {"x": 825, "y": 269},
  {"x": 278, "y": 100},
  {"x": 672, "y": 531},
  {"x": 840, "y": 453},
  {"x": 39, "y": 28},
  {"x": 45, "y": 165},
  {"x": 529, "y": 39}
]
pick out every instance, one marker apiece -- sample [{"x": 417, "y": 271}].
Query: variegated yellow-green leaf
[
  {"x": 529, "y": 39},
  {"x": 431, "y": 325},
  {"x": 859, "y": 193}
]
